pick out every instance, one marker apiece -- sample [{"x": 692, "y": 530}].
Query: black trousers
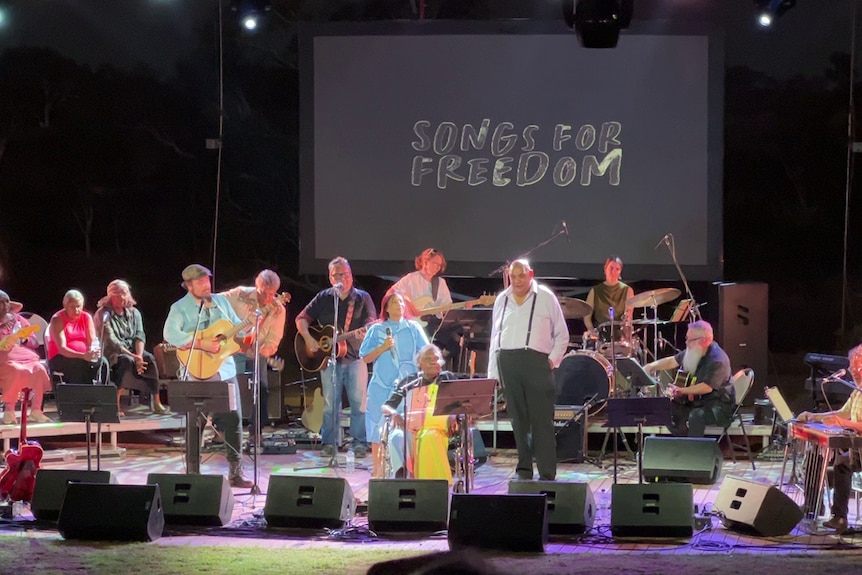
[
  {"x": 80, "y": 370},
  {"x": 527, "y": 380},
  {"x": 125, "y": 366}
]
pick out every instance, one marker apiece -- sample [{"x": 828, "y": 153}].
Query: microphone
[
  {"x": 392, "y": 349},
  {"x": 566, "y": 231},
  {"x": 339, "y": 285},
  {"x": 611, "y": 312},
  {"x": 837, "y": 375},
  {"x": 106, "y": 315},
  {"x": 661, "y": 241}
]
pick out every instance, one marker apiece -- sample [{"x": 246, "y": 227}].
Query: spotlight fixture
[
  {"x": 768, "y": 11},
  {"x": 598, "y": 22},
  {"x": 251, "y": 13}
]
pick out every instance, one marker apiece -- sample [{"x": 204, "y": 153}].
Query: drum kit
[{"x": 589, "y": 371}]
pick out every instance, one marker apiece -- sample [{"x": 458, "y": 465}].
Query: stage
[{"x": 155, "y": 450}]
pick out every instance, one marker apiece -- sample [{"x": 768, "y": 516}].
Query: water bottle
[
  {"x": 603, "y": 507},
  {"x": 96, "y": 346},
  {"x": 350, "y": 461}
]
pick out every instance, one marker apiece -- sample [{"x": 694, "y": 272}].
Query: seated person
[
  {"x": 122, "y": 329},
  {"x": 20, "y": 365},
  {"x": 74, "y": 348},
  {"x": 849, "y": 416},
  {"x": 710, "y": 399},
  {"x": 427, "y": 434}
]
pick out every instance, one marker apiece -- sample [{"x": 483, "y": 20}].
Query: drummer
[{"x": 611, "y": 293}]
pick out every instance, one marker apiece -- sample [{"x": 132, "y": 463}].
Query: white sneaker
[{"x": 38, "y": 416}]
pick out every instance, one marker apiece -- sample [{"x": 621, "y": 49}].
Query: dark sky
[{"x": 159, "y": 32}]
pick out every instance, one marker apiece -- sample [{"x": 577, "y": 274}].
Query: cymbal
[
  {"x": 575, "y": 308},
  {"x": 650, "y": 322},
  {"x": 653, "y": 297}
]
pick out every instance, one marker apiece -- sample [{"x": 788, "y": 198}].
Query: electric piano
[{"x": 833, "y": 392}]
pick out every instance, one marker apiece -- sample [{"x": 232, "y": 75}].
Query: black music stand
[
  {"x": 88, "y": 403},
  {"x": 466, "y": 399},
  {"x": 473, "y": 324},
  {"x": 639, "y": 411},
  {"x": 195, "y": 398}
]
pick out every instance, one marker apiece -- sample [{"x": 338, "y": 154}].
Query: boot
[{"x": 235, "y": 476}]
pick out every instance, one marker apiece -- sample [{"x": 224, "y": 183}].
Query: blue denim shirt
[{"x": 183, "y": 317}]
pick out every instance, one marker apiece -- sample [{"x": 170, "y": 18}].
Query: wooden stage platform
[{"x": 147, "y": 450}]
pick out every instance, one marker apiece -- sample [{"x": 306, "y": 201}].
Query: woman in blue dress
[{"x": 391, "y": 346}]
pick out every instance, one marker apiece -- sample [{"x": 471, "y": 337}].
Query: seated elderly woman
[
  {"x": 20, "y": 366},
  {"x": 73, "y": 347},
  {"x": 122, "y": 329},
  {"x": 428, "y": 434}
]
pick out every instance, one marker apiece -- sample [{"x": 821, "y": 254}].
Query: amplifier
[{"x": 564, "y": 413}]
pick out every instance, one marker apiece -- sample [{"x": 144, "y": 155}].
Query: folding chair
[{"x": 742, "y": 380}]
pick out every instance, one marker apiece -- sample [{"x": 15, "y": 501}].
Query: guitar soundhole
[{"x": 325, "y": 344}]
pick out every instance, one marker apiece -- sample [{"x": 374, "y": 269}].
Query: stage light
[
  {"x": 251, "y": 13},
  {"x": 768, "y": 11},
  {"x": 598, "y": 22}
]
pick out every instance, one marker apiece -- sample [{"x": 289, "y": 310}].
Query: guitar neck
[{"x": 447, "y": 307}]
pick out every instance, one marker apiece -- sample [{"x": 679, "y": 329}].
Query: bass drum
[{"x": 581, "y": 375}]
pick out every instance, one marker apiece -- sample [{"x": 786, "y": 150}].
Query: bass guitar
[
  {"x": 315, "y": 360},
  {"x": 19, "y": 478},
  {"x": 25, "y": 332},
  {"x": 206, "y": 364}
]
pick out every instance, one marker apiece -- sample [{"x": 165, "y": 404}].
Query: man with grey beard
[{"x": 707, "y": 398}]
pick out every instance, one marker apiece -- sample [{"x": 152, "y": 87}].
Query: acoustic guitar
[
  {"x": 7, "y": 342},
  {"x": 19, "y": 477},
  {"x": 312, "y": 416},
  {"x": 685, "y": 379},
  {"x": 206, "y": 364},
  {"x": 315, "y": 360}
]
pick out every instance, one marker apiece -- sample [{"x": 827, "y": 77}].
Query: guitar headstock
[
  {"x": 487, "y": 299},
  {"x": 275, "y": 363},
  {"x": 283, "y": 297}
]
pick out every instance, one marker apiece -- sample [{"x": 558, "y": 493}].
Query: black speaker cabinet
[
  {"x": 194, "y": 499},
  {"x": 50, "y": 489},
  {"x": 571, "y": 506},
  {"x": 502, "y": 522},
  {"x": 684, "y": 459},
  {"x": 570, "y": 442},
  {"x": 743, "y": 326},
  {"x": 274, "y": 405},
  {"x": 756, "y": 508},
  {"x": 109, "y": 512},
  {"x": 652, "y": 510},
  {"x": 408, "y": 504},
  {"x": 308, "y": 502}
]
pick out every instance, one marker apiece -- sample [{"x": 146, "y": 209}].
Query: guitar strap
[
  {"x": 435, "y": 287},
  {"x": 349, "y": 317}
]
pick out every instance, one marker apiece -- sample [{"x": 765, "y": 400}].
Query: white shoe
[
  {"x": 9, "y": 418},
  {"x": 38, "y": 416}
]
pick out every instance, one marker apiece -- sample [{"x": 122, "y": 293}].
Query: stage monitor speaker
[
  {"x": 684, "y": 459},
  {"x": 652, "y": 510},
  {"x": 743, "y": 327},
  {"x": 50, "y": 489},
  {"x": 408, "y": 504},
  {"x": 502, "y": 522},
  {"x": 308, "y": 502},
  {"x": 756, "y": 508},
  {"x": 194, "y": 499},
  {"x": 571, "y": 506},
  {"x": 110, "y": 512}
]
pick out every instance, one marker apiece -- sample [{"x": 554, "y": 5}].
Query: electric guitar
[
  {"x": 7, "y": 342},
  {"x": 19, "y": 477},
  {"x": 315, "y": 360},
  {"x": 423, "y": 301},
  {"x": 206, "y": 364}
]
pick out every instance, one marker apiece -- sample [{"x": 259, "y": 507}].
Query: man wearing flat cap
[{"x": 198, "y": 310}]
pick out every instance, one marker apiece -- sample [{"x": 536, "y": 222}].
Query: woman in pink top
[{"x": 73, "y": 348}]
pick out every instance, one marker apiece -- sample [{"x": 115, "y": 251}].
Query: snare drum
[{"x": 581, "y": 375}]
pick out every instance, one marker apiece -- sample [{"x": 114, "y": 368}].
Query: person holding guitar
[
  {"x": 20, "y": 365},
  {"x": 702, "y": 393},
  {"x": 122, "y": 328},
  {"x": 245, "y": 302},
  {"x": 425, "y": 288},
  {"x": 355, "y": 311},
  {"x": 391, "y": 346},
  {"x": 199, "y": 310}
]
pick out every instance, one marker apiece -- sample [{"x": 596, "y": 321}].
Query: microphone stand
[
  {"x": 671, "y": 246},
  {"x": 194, "y": 432},
  {"x": 255, "y": 396},
  {"x": 502, "y": 269},
  {"x": 105, "y": 315}
]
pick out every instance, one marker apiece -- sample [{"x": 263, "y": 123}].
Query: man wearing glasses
[
  {"x": 355, "y": 311},
  {"x": 708, "y": 397}
]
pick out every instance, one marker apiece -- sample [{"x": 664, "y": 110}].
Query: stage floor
[{"x": 151, "y": 451}]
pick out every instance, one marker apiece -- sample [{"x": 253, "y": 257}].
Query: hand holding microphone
[{"x": 391, "y": 341}]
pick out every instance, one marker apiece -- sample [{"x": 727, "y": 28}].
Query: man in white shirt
[{"x": 528, "y": 340}]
